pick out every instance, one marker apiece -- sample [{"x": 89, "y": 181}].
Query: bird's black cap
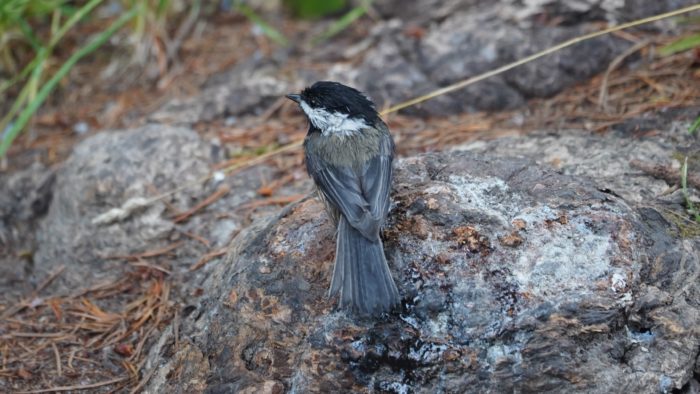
[{"x": 336, "y": 97}]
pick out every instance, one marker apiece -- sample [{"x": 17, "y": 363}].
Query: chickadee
[{"x": 349, "y": 153}]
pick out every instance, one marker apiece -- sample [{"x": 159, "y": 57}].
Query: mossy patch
[{"x": 685, "y": 227}]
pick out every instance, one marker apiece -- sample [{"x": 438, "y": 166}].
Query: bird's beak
[{"x": 294, "y": 97}]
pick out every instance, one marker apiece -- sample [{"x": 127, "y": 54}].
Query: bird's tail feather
[{"x": 361, "y": 273}]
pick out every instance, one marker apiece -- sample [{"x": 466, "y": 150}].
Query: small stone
[
  {"x": 230, "y": 121},
  {"x": 81, "y": 128}
]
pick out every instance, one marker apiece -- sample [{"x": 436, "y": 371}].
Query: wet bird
[{"x": 349, "y": 153}]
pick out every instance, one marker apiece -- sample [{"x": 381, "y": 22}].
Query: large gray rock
[
  {"x": 475, "y": 41},
  {"x": 105, "y": 171},
  {"x": 40, "y": 234},
  {"x": 110, "y": 169},
  {"x": 514, "y": 278},
  {"x": 25, "y": 196},
  {"x": 462, "y": 39}
]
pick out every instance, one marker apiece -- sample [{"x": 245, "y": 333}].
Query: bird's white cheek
[
  {"x": 314, "y": 117},
  {"x": 333, "y": 122}
]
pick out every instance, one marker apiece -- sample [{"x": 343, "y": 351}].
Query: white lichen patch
[
  {"x": 488, "y": 196},
  {"x": 439, "y": 327},
  {"x": 618, "y": 282},
  {"x": 566, "y": 254},
  {"x": 569, "y": 256},
  {"x": 427, "y": 353}
]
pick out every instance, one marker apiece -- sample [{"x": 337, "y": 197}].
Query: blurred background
[
  {"x": 102, "y": 101},
  {"x": 71, "y": 68}
]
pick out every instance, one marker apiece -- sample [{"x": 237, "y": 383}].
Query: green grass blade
[
  {"x": 694, "y": 127},
  {"x": 163, "y": 7},
  {"x": 314, "y": 9},
  {"x": 29, "y": 34},
  {"x": 68, "y": 10},
  {"x": 49, "y": 86},
  {"x": 684, "y": 189},
  {"x": 24, "y": 94},
  {"x": 267, "y": 29},
  {"x": 681, "y": 45},
  {"x": 341, "y": 24},
  {"x": 74, "y": 18}
]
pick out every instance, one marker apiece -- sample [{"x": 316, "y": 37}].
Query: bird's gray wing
[
  {"x": 377, "y": 176},
  {"x": 361, "y": 196}
]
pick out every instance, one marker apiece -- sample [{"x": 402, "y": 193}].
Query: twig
[
  {"x": 142, "y": 342},
  {"x": 207, "y": 258},
  {"x": 39, "y": 334},
  {"x": 70, "y": 358},
  {"x": 144, "y": 264},
  {"x": 87, "y": 360},
  {"x": 220, "y": 192},
  {"x": 50, "y": 279},
  {"x": 5, "y": 350},
  {"x": 59, "y": 371},
  {"x": 163, "y": 303},
  {"x": 154, "y": 253},
  {"x": 670, "y": 175},
  {"x": 27, "y": 301},
  {"x": 102, "y": 286},
  {"x": 272, "y": 109},
  {"x": 198, "y": 238},
  {"x": 268, "y": 189},
  {"x": 69, "y": 388},
  {"x": 603, "y": 95},
  {"x": 647, "y": 80},
  {"x": 281, "y": 200},
  {"x": 183, "y": 30},
  {"x": 143, "y": 381},
  {"x": 227, "y": 171},
  {"x": 176, "y": 327}
]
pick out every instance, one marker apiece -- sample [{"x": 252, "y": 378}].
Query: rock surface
[
  {"x": 606, "y": 157},
  {"x": 246, "y": 88},
  {"x": 24, "y": 198},
  {"x": 107, "y": 170},
  {"x": 514, "y": 277},
  {"x": 102, "y": 173}
]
